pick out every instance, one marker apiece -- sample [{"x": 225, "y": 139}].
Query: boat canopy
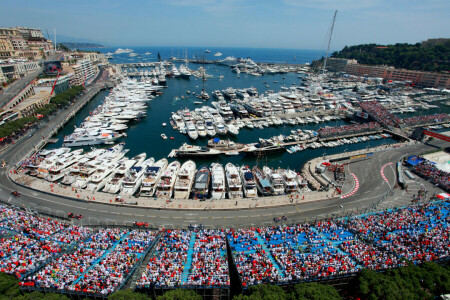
[
  {"x": 265, "y": 183},
  {"x": 216, "y": 140},
  {"x": 136, "y": 169},
  {"x": 248, "y": 176},
  {"x": 152, "y": 169}
]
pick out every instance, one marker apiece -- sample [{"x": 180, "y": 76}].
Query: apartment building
[{"x": 418, "y": 78}]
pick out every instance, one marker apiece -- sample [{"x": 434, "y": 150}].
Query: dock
[{"x": 173, "y": 153}]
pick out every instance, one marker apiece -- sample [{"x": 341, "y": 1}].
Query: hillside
[
  {"x": 81, "y": 45},
  {"x": 419, "y": 56}
]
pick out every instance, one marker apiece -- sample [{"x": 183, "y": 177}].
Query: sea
[{"x": 145, "y": 136}]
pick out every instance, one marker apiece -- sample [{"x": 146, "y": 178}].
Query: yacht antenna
[
  {"x": 329, "y": 41},
  {"x": 54, "y": 31}
]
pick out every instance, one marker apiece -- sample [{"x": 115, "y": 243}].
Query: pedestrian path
[
  {"x": 272, "y": 259},
  {"x": 188, "y": 263}
]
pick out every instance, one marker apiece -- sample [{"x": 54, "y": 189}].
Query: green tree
[
  {"x": 313, "y": 291},
  {"x": 264, "y": 292},
  {"x": 128, "y": 294},
  {"x": 180, "y": 294},
  {"x": 9, "y": 286}
]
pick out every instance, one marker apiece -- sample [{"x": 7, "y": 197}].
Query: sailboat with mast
[{"x": 203, "y": 94}]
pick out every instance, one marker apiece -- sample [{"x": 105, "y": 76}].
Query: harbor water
[{"x": 144, "y": 136}]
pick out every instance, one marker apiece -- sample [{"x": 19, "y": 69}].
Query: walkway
[
  {"x": 269, "y": 254},
  {"x": 188, "y": 263}
]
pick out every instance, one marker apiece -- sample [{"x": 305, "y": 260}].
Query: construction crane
[{"x": 329, "y": 41}]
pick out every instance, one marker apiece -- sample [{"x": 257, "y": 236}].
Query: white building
[{"x": 83, "y": 72}]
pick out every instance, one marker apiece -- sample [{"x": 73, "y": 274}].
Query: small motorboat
[
  {"x": 163, "y": 136},
  {"x": 172, "y": 138},
  {"x": 232, "y": 153},
  {"x": 164, "y": 124}
]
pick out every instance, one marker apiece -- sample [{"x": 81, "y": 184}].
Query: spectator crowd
[
  {"x": 44, "y": 253},
  {"x": 430, "y": 171},
  {"x": 381, "y": 114},
  {"x": 426, "y": 119},
  {"x": 348, "y": 129}
]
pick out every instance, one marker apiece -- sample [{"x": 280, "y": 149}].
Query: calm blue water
[
  {"x": 291, "y": 56},
  {"x": 145, "y": 135}
]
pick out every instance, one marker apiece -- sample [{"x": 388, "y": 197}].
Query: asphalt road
[
  {"x": 371, "y": 190},
  {"x": 16, "y": 87}
]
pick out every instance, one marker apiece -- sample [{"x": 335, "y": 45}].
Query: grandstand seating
[{"x": 47, "y": 254}]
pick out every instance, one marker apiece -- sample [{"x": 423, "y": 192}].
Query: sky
[{"x": 294, "y": 24}]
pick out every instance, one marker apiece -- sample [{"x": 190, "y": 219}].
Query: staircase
[
  {"x": 269, "y": 255},
  {"x": 188, "y": 263},
  {"x": 143, "y": 264}
]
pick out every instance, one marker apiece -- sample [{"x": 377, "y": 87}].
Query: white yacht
[
  {"x": 234, "y": 183},
  {"x": 115, "y": 180},
  {"x": 232, "y": 129},
  {"x": 218, "y": 181},
  {"x": 99, "y": 178},
  {"x": 210, "y": 130},
  {"x": 62, "y": 166},
  {"x": 151, "y": 177},
  {"x": 88, "y": 139},
  {"x": 184, "y": 72},
  {"x": 248, "y": 182},
  {"x": 85, "y": 171},
  {"x": 289, "y": 181},
  {"x": 220, "y": 128},
  {"x": 191, "y": 130},
  {"x": 201, "y": 129},
  {"x": 165, "y": 185},
  {"x": 184, "y": 181},
  {"x": 49, "y": 161},
  {"x": 133, "y": 180},
  {"x": 275, "y": 179}
]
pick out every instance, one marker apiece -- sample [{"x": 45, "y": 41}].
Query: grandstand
[
  {"x": 381, "y": 114},
  {"x": 52, "y": 256}
]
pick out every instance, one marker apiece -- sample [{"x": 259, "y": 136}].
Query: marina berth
[
  {"x": 275, "y": 179},
  {"x": 232, "y": 129},
  {"x": 217, "y": 182},
  {"x": 210, "y": 129},
  {"x": 234, "y": 183},
  {"x": 47, "y": 160},
  {"x": 193, "y": 151},
  {"x": 132, "y": 181},
  {"x": 201, "y": 184},
  {"x": 85, "y": 172},
  {"x": 152, "y": 175},
  {"x": 248, "y": 182},
  {"x": 191, "y": 130},
  {"x": 164, "y": 188},
  {"x": 97, "y": 180},
  {"x": 224, "y": 145},
  {"x": 263, "y": 184},
  {"x": 291, "y": 180},
  {"x": 221, "y": 129},
  {"x": 264, "y": 146},
  {"x": 114, "y": 181},
  {"x": 62, "y": 165},
  {"x": 185, "y": 180},
  {"x": 201, "y": 129}
]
